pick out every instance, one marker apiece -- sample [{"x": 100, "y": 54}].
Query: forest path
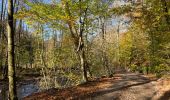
[
  {"x": 127, "y": 86},
  {"x": 133, "y": 86}
]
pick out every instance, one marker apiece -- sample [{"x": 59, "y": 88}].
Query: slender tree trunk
[
  {"x": 165, "y": 8},
  {"x": 4, "y": 20},
  {"x": 152, "y": 52},
  {"x": 87, "y": 54},
  {"x": 2, "y": 8},
  {"x": 104, "y": 55},
  {"x": 19, "y": 38},
  {"x": 132, "y": 51},
  {"x": 81, "y": 53},
  {"x": 1, "y": 28},
  {"x": 118, "y": 45},
  {"x": 1, "y": 21},
  {"x": 3, "y": 91},
  {"x": 11, "y": 63},
  {"x": 83, "y": 64},
  {"x": 5, "y": 70},
  {"x": 78, "y": 38}
]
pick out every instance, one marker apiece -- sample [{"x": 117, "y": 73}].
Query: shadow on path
[
  {"x": 166, "y": 96},
  {"x": 138, "y": 79}
]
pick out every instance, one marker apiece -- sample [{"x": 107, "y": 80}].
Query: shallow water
[{"x": 22, "y": 91}]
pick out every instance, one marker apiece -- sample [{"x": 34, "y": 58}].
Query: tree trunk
[
  {"x": 11, "y": 63},
  {"x": 87, "y": 54},
  {"x": 1, "y": 41},
  {"x": 19, "y": 38},
  {"x": 118, "y": 45},
  {"x": 1, "y": 18},
  {"x": 165, "y": 8},
  {"x": 81, "y": 54},
  {"x": 2, "y": 8},
  {"x": 83, "y": 65},
  {"x": 78, "y": 39},
  {"x": 104, "y": 55},
  {"x": 5, "y": 68}
]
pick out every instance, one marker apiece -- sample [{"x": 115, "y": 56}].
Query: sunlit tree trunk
[
  {"x": 11, "y": 63},
  {"x": 78, "y": 39},
  {"x": 83, "y": 64},
  {"x": 87, "y": 54}
]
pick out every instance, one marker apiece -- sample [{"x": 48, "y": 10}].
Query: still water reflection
[{"x": 22, "y": 91}]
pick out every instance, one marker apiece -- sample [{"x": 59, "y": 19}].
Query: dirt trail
[
  {"x": 134, "y": 87},
  {"x": 127, "y": 86}
]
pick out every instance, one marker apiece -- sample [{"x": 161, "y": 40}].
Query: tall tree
[
  {"x": 77, "y": 34},
  {"x": 76, "y": 16},
  {"x": 11, "y": 63}
]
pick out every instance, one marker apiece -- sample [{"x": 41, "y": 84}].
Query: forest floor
[{"x": 129, "y": 86}]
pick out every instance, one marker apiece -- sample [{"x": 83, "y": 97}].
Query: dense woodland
[{"x": 69, "y": 42}]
